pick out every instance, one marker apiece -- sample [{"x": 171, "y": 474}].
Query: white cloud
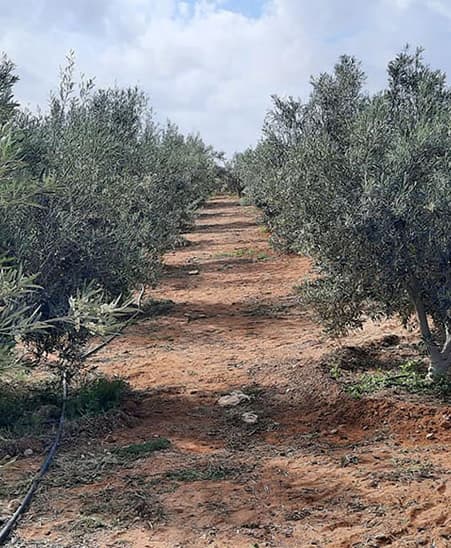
[
  {"x": 442, "y": 7},
  {"x": 205, "y": 65}
]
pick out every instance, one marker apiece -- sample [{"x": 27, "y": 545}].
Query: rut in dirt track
[{"x": 234, "y": 313}]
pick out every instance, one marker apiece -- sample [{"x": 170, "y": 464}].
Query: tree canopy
[
  {"x": 361, "y": 183},
  {"x": 92, "y": 193}
]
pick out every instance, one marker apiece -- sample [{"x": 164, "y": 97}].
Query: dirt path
[{"x": 317, "y": 468}]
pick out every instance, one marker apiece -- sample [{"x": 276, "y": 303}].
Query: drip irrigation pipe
[
  {"x": 7, "y": 528},
  {"x": 10, "y": 524}
]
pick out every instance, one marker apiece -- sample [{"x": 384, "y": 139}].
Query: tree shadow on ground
[
  {"x": 214, "y": 214},
  {"x": 226, "y": 227},
  {"x": 221, "y": 204},
  {"x": 385, "y": 354}
]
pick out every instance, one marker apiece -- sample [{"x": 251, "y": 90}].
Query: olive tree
[
  {"x": 16, "y": 317},
  {"x": 22, "y": 316},
  {"x": 94, "y": 193},
  {"x": 370, "y": 198}
]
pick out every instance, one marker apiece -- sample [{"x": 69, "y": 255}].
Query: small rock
[
  {"x": 430, "y": 436},
  {"x": 249, "y": 418},
  {"x": 229, "y": 401},
  {"x": 233, "y": 399},
  {"x": 347, "y": 460},
  {"x": 446, "y": 421},
  {"x": 110, "y": 438},
  {"x": 193, "y": 272},
  {"x": 297, "y": 515},
  {"x": 334, "y": 431},
  {"x": 28, "y": 452}
]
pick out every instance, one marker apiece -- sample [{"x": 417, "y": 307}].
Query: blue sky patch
[{"x": 249, "y": 8}]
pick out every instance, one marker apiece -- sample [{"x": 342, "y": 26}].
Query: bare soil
[{"x": 318, "y": 468}]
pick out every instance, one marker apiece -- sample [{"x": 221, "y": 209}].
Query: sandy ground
[{"x": 318, "y": 468}]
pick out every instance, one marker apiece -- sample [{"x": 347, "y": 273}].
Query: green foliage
[
  {"x": 30, "y": 407},
  {"x": 408, "y": 377},
  {"x": 138, "y": 450},
  {"x": 245, "y": 201},
  {"x": 7, "y": 80},
  {"x": 19, "y": 403},
  {"x": 16, "y": 318},
  {"x": 97, "y": 396},
  {"x": 92, "y": 193},
  {"x": 229, "y": 180},
  {"x": 361, "y": 184}
]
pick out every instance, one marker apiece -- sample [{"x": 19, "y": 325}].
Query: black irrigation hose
[
  {"x": 10, "y": 524},
  {"x": 7, "y": 528}
]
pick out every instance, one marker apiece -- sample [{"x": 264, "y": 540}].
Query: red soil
[{"x": 318, "y": 469}]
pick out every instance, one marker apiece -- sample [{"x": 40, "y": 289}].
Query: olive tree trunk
[
  {"x": 440, "y": 356},
  {"x": 440, "y": 365}
]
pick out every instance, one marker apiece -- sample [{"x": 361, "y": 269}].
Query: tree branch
[{"x": 446, "y": 350}]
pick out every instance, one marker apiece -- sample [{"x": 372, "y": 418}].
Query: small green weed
[
  {"x": 212, "y": 473},
  {"x": 19, "y": 403},
  {"x": 407, "y": 470},
  {"x": 31, "y": 408},
  {"x": 336, "y": 372},
  {"x": 245, "y": 201},
  {"x": 262, "y": 256},
  {"x": 367, "y": 383},
  {"x": 87, "y": 524},
  {"x": 96, "y": 396},
  {"x": 138, "y": 450},
  {"x": 410, "y": 376},
  {"x": 347, "y": 460},
  {"x": 442, "y": 388}
]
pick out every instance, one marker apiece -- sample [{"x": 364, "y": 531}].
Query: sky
[{"x": 210, "y": 66}]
